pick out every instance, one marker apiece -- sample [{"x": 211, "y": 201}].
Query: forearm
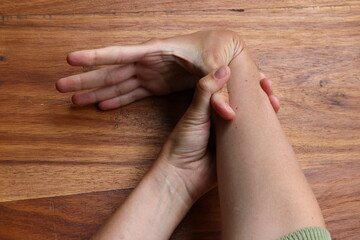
[
  {"x": 152, "y": 211},
  {"x": 263, "y": 192}
]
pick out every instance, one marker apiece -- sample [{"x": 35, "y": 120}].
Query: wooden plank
[
  {"x": 48, "y": 148},
  {"x": 78, "y": 217},
  {"x": 61, "y": 150},
  {"x": 336, "y": 188},
  {"x": 38, "y": 125},
  {"x": 19, "y": 7}
]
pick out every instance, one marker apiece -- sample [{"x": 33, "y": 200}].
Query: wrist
[
  {"x": 157, "y": 205},
  {"x": 169, "y": 179}
]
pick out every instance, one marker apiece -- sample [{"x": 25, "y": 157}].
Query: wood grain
[
  {"x": 63, "y": 169},
  {"x": 78, "y": 216},
  {"x": 19, "y": 7}
]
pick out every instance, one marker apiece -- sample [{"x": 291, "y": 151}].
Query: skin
[
  {"x": 159, "y": 66},
  {"x": 156, "y": 67},
  {"x": 263, "y": 192},
  {"x": 185, "y": 170}
]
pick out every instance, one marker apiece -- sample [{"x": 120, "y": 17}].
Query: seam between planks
[
  {"x": 67, "y": 195},
  {"x": 239, "y": 10}
]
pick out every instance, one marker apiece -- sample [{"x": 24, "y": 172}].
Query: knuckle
[
  {"x": 224, "y": 92},
  {"x": 206, "y": 85},
  {"x": 203, "y": 85}
]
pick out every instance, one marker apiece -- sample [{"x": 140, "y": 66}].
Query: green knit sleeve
[{"x": 311, "y": 233}]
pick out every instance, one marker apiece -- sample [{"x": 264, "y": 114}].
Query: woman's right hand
[{"x": 156, "y": 67}]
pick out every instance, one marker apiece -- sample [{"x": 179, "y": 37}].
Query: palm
[
  {"x": 160, "y": 77},
  {"x": 191, "y": 154},
  {"x": 187, "y": 149}
]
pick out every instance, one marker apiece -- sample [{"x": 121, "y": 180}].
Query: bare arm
[
  {"x": 159, "y": 67},
  {"x": 183, "y": 172},
  {"x": 263, "y": 192},
  {"x": 153, "y": 209}
]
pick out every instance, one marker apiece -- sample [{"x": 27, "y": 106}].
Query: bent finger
[
  {"x": 266, "y": 85},
  {"x": 275, "y": 103},
  {"x": 200, "y": 107},
  {"x": 220, "y": 103}
]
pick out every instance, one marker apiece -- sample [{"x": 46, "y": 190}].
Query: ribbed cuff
[{"x": 311, "y": 233}]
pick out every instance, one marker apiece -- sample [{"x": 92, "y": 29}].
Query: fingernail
[{"x": 220, "y": 73}]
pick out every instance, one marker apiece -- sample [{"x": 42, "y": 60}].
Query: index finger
[{"x": 109, "y": 55}]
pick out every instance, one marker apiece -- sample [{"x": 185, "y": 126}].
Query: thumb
[{"x": 199, "y": 110}]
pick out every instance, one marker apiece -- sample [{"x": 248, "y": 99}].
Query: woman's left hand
[{"x": 156, "y": 67}]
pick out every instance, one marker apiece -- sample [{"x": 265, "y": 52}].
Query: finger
[
  {"x": 94, "y": 79},
  {"x": 199, "y": 109},
  {"x": 275, "y": 103},
  {"x": 266, "y": 85},
  {"x": 220, "y": 103},
  {"x": 220, "y": 100},
  {"x": 106, "y": 92},
  {"x": 137, "y": 94},
  {"x": 111, "y": 55}
]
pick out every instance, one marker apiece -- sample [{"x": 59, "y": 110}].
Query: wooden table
[{"x": 65, "y": 169}]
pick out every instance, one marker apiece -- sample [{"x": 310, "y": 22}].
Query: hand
[
  {"x": 156, "y": 67},
  {"x": 186, "y": 152},
  {"x": 181, "y": 174}
]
